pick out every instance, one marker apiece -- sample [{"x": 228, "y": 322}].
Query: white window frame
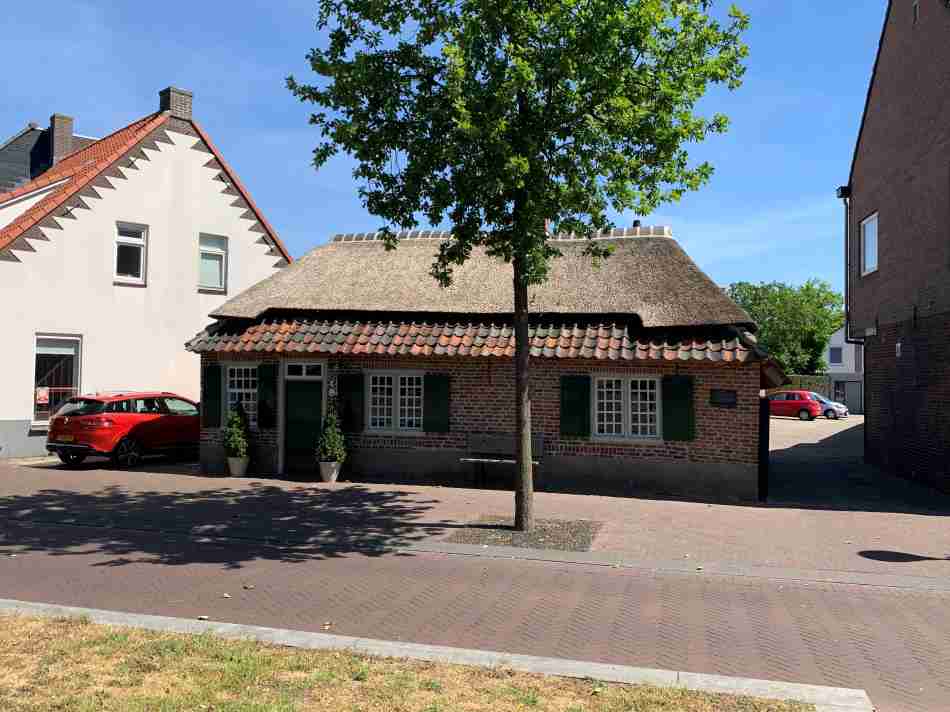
[
  {"x": 141, "y": 242},
  {"x": 305, "y": 365},
  {"x": 873, "y": 218},
  {"x": 626, "y": 435},
  {"x": 37, "y": 337},
  {"x": 226, "y": 374},
  {"x": 394, "y": 429},
  {"x": 215, "y": 252}
]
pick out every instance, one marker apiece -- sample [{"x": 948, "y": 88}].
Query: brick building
[
  {"x": 898, "y": 244},
  {"x": 644, "y": 374}
]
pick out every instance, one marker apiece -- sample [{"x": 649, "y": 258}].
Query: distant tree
[
  {"x": 513, "y": 118},
  {"x": 795, "y": 323}
]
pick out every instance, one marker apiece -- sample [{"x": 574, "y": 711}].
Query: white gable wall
[
  {"x": 12, "y": 209},
  {"x": 132, "y": 337}
]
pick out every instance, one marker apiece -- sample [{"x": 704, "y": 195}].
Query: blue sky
[{"x": 769, "y": 213}]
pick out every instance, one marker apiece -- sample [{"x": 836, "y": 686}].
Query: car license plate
[{"x": 66, "y": 438}]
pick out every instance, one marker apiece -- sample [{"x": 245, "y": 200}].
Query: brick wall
[
  {"x": 902, "y": 172},
  {"x": 483, "y": 394},
  {"x": 906, "y": 397}
]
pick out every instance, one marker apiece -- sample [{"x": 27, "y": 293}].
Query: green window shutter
[
  {"x": 350, "y": 402},
  {"x": 211, "y": 395},
  {"x": 267, "y": 396},
  {"x": 575, "y": 406},
  {"x": 435, "y": 409},
  {"x": 679, "y": 412}
]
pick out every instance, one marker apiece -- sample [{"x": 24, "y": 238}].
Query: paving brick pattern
[{"x": 893, "y": 642}]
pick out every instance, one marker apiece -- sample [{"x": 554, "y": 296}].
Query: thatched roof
[{"x": 648, "y": 275}]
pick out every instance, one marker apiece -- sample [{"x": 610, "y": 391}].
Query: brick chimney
[
  {"x": 60, "y": 137},
  {"x": 177, "y": 101}
]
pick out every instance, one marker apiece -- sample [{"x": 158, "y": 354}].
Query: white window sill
[
  {"x": 626, "y": 439},
  {"x": 396, "y": 433},
  {"x": 865, "y": 274},
  {"x": 128, "y": 282},
  {"x": 212, "y": 290}
]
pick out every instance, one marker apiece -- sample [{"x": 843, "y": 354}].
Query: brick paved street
[
  {"x": 161, "y": 540},
  {"x": 894, "y": 643}
]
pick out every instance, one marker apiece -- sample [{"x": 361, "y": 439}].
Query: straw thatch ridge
[{"x": 651, "y": 277}]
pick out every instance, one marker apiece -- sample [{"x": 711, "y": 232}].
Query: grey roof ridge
[{"x": 29, "y": 127}]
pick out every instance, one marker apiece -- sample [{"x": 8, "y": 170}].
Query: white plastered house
[{"x": 112, "y": 258}]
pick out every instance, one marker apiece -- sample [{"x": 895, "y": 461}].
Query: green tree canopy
[
  {"x": 514, "y": 119},
  {"x": 795, "y": 323}
]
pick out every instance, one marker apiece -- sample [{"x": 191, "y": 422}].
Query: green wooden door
[{"x": 303, "y": 406}]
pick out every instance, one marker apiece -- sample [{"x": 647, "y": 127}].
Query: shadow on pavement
[
  {"x": 831, "y": 474},
  {"x": 899, "y": 557},
  {"x": 218, "y": 526}
]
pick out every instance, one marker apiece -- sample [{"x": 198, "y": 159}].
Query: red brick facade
[
  {"x": 908, "y": 423},
  {"x": 901, "y": 172},
  {"x": 482, "y": 402}
]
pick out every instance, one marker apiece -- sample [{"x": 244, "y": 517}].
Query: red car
[
  {"x": 124, "y": 427},
  {"x": 805, "y": 405}
]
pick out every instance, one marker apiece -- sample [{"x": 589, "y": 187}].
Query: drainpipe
[{"x": 844, "y": 192}]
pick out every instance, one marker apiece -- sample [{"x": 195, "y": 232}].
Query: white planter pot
[
  {"x": 238, "y": 465},
  {"x": 329, "y": 471}
]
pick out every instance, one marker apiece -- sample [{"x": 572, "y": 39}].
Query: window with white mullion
[
  {"x": 410, "y": 402},
  {"x": 610, "y": 406},
  {"x": 643, "y": 408},
  {"x": 381, "y": 402},
  {"x": 242, "y": 390}
]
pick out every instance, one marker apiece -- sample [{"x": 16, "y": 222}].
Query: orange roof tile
[
  {"x": 82, "y": 167},
  {"x": 562, "y": 341},
  {"x": 78, "y": 169}
]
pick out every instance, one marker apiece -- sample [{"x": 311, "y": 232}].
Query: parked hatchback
[
  {"x": 124, "y": 427},
  {"x": 805, "y": 405}
]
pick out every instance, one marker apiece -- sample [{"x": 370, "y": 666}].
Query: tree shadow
[
  {"x": 224, "y": 525},
  {"x": 898, "y": 557}
]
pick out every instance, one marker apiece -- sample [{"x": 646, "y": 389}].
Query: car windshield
[{"x": 81, "y": 406}]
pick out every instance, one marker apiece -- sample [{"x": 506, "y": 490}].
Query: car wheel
[
  {"x": 72, "y": 459},
  {"x": 127, "y": 454},
  {"x": 831, "y": 415},
  {"x": 804, "y": 415}
]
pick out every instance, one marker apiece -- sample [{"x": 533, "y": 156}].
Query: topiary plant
[
  {"x": 331, "y": 447},
  {"x": 236, "y": 433}
]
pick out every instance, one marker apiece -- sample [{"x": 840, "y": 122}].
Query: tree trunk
[{"x": 524, "y": 489}]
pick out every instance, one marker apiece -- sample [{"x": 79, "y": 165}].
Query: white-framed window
[
  {"x": 56, "y": 374},
  {"x": 242, "y": 388},
  {"x": 869, "y": 245},
  {"x": 304, "y": 371},
  {"x": 213, "y": 263},
  {"x": 395, "y": 401},
  {"x": 131, "y": 254},
  {"x": 626, "y": 407}
]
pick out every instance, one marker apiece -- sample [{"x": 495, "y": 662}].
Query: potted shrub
[
  {"x": 331, "y": 448},
  {"x": 235, "y": 442}
]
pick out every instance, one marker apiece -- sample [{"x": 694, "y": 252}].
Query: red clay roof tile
[{"x": 600, "y": 343}]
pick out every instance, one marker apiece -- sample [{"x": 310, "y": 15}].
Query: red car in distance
[{"x": 124, "y": 427}]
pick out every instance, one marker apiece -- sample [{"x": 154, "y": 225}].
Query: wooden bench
[{"x": 485, "y": 450}]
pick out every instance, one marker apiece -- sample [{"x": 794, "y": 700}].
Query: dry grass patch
[{"x": 72, "y": 665}]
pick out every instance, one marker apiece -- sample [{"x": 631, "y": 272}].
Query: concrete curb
[
  {"x": 825, "y": 699},
  {"x": 617, "y": 560}
]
